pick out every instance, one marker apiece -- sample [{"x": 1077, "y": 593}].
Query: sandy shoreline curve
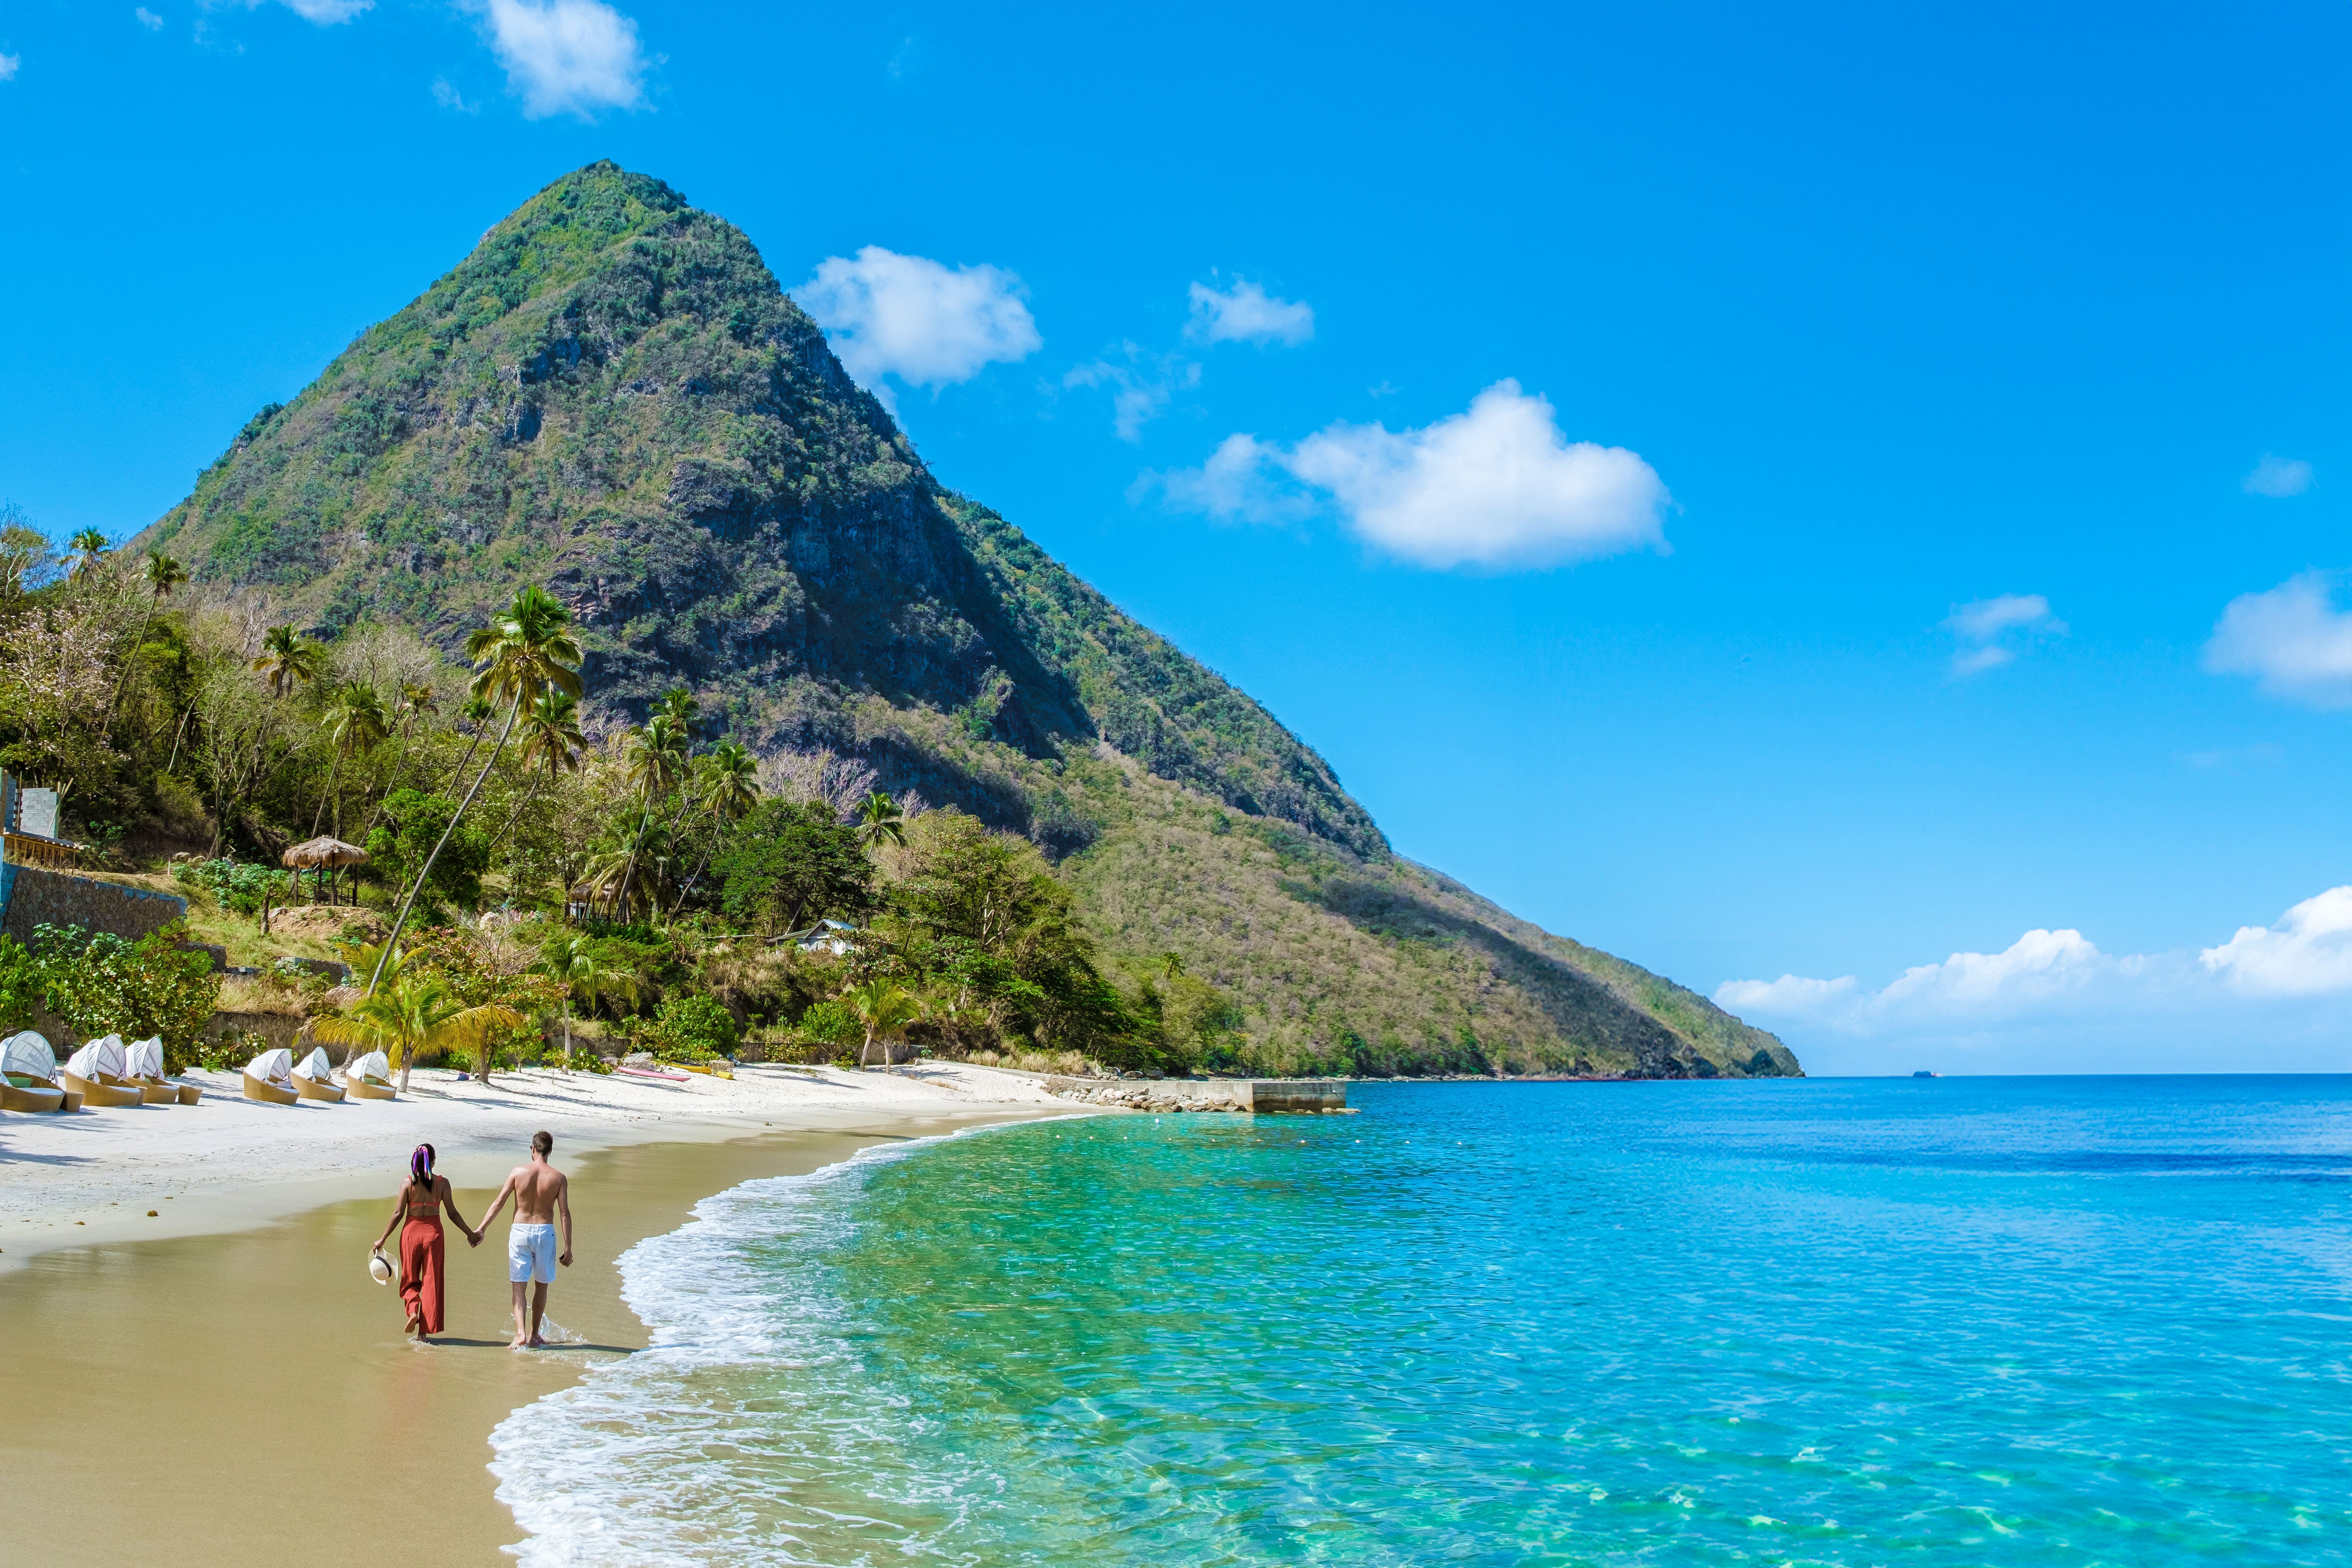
[
  {"x": 246, "y": 1383},
  {"x": 228, "y": 1163}
]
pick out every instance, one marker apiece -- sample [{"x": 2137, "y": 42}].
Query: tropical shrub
[
  {"x": 413, "y": 822},
  {"x": 234, "y": 884},
  {"x": 789, "y": 864},
  {"x": 689, "y": 1028},
  {"x": 97, "y": 983}
]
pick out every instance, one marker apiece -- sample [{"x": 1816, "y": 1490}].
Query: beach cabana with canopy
[
  {"x": 369, "y": 1077},
  {"x": 97, "y": 1070},
  {"x": 269, "y": 1078},
  {"x": 315, "y": 1078},
  {"x": 145, "y": 1060},
  {"x": 321, "y": 857},
  {"x": 28, "y": 1076}
]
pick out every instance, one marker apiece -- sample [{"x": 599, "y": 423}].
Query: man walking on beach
[{"x": 542, "y": 1194}]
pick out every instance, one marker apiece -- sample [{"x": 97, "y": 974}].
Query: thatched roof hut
[
  {"x": 324, "y": 851},
  {"x": 322, "y": 858}
]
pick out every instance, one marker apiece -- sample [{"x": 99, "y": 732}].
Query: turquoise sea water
[{"x": 1961, "y": 1321}]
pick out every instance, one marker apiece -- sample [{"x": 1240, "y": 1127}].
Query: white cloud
[
  {"x": 1237, "y": 483},
  {"x": 1497, "y": 486},
  {"x": 2271, "y": 995},
  {"x": 566, "y": 56},
  {"x": 148, "y": 19},
  {"x": 1982, "y": 628},
  {"x": 1790, "y": 995},
  {"x": 2292, "y": 639},
  {"x": 912, "y": 318},
  {"x": 8, "y": 64},
  {"x": 1142, "y": 385},
  {"x": 446, "y": 94},
  {"x": 2278, "y": 477},
  {"x": 2308, "y": 953},
  {"x": 325, "y": 13},
  {"x": 1245, "y": 313}
]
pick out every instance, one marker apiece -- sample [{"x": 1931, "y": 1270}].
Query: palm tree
[
  {"x": 163, "y": 574},
  {"x": 522, "y": 653},
  {"x": 90, "y": 546},
  {"x": 417, "y": 699},
  {"x": 405, "y": 1014},
  {"x": 575, "y": 968},
  {"x": 886, "y": 1010},
  {"x": 354, "y": 721},
  {"x": 288, "y": 659},
  {"x": 879, "y": 818},
  {"x": 657, "y": 758},
  {"x": 552, "y": 742},
  {"x": 1172, "y": 965},
  {"x": 730, "y": 788},
  {"x": 678, "y": 707}
]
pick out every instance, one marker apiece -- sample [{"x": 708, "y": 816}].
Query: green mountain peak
[{"x": 611, "y": 395}]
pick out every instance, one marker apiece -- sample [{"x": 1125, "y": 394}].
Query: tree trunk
[{"x": 426, "y": 870}]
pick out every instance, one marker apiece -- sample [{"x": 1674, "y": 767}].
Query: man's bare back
[{"x": 539, "y": 1189}]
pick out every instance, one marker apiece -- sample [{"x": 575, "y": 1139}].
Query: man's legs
[
  {"x": 538, "y": 1311},
  {"x": 522, "y": 1333}
]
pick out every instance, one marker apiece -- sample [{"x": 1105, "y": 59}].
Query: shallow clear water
[{"x": 2025, "y": 1321}]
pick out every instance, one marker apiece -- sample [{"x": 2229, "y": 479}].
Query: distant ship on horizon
[{"x": 1923, "y": 1072}]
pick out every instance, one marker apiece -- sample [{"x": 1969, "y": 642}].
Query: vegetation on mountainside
[{"x": 782, "y": 623}]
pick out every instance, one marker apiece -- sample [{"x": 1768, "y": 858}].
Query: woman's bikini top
[{"x": 429, "y": 1210}]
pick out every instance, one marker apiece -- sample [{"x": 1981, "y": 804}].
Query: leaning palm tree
[
  {"x": 886, "y": 1010},
  {"x": 416, "y": 700},
  {"x": 288, "y": 659},
  {"x": 657, "y": 760},
  {"x": 576, "y": 969},
  {"x": 355, "y": 723},
  {"x": 162, "y": 575},
  {"x": 524, "y": 652},
  {"x": 880, "y": 819},
  {"x": 552, "y": 742},
  {"x": 408, "y": 1013},
  {"x": 90, "y": 546},
  {"x": 730, "y": 788}
]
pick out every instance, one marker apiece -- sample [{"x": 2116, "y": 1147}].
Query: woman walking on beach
[{"x": 420, "y": 1204}]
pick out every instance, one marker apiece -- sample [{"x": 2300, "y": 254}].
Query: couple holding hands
[{"x": 542, "y": 1195}]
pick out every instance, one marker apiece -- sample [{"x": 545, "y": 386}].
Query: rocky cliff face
[{"x": 612, "y": 396}]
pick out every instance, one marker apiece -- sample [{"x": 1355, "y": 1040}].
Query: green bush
[
  {"x": 413, "y": 823},
  {"x": 97, "y": 983},
  {"x": 830, "y": 1023},
  {"x": 234, "y": 884},
  {"x": 20, "y": 986},
  {"x": 690, "y": 1028}
]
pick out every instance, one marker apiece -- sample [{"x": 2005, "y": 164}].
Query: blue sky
[{"x": 1964, "y": 390}]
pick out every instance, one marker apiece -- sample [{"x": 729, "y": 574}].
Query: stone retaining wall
[{"x": 37, "y": 897}]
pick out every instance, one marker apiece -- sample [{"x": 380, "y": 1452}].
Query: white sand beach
[{"x": 93, "y": 1177}]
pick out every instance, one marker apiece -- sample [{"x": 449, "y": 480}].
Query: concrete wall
[{"x": 38, "y": 897}]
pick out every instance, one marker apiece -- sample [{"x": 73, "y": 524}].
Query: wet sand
[{"x": 250, "y": 1399}]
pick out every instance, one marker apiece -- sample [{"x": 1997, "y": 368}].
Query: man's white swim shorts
[{"x": 531, "y": 1254}]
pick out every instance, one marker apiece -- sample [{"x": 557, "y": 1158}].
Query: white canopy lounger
[
  {"x": 146, "y": 1060},
  {"x": 269, "y": 1078},
  {"x": 97, "y": 1070},
  {"x": 315, "y": 1078},
  {"x": 28, "y": 1076},
  {"x": 369, "y": 1077}
]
